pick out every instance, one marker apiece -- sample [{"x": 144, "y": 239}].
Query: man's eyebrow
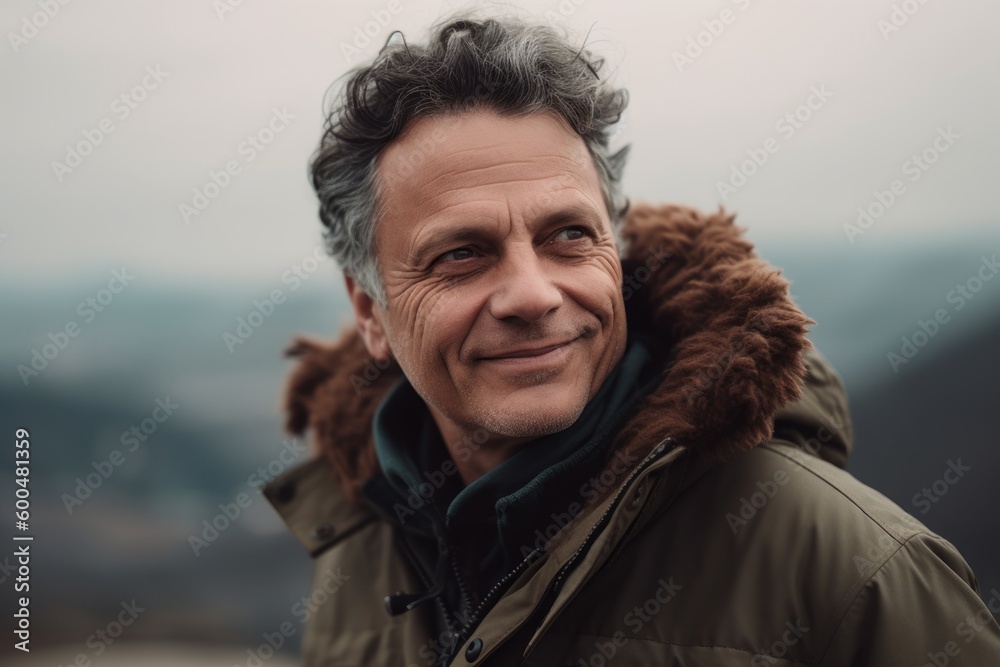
[
  {"x": 446, "y": 235},
  {"x": 481, "y": 229},
  {"x": 572, "y": 213}
]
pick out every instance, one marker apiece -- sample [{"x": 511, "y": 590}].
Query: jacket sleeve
[{"x": 922, "y": 607}]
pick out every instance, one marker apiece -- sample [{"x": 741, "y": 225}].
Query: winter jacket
[{"x": 723, "y": 531}]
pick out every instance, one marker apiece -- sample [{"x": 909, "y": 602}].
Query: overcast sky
[{"x": 884, "y": 85}]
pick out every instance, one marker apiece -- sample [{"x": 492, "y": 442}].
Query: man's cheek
[
  {"x": 413, "y": 310},
  {"x": 434, "y": 332},
  {"x": 598, "y": 292},
  {"x": 604, "y": 269}
]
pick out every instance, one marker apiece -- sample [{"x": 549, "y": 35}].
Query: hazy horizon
[{"x": 222, "y": 77}]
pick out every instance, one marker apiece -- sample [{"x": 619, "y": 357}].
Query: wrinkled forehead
[{"x": 481, "y": 157}]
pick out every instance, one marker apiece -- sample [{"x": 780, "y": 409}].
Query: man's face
[{"x": 503, "y": 283}]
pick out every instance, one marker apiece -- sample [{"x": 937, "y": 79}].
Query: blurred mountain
[
  {"x": 131, "y": 538},
  {"x": 865, "y": 298},
  {"x": 935, "y": 417}
]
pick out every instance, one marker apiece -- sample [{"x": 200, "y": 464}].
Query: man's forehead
[
  {"x": 477, "y": 147},
  {"x": 482, "y": 165}
]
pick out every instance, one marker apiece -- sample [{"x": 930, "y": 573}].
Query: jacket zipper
[
  {"x": 463, "y": 590},
  {"x": 427, "y": 584},
  {"x": 501, "y": 585},
  {"x": 456, "y": 634},
  {"x": 592, "y": 535},
  {"x": 488, "y": 599}
]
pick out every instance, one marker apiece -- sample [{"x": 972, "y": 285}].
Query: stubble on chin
[{"x": 537, "y": 419}]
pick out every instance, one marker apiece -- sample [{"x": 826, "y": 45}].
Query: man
[{"x": 567, "y": 433}]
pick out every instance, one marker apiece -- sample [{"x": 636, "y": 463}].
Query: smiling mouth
[
  {"x": 528, "y": 352},
  {"x": 548, "y": 358}
]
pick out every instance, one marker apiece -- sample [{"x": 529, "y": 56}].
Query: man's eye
[
  {"x": 572, "y": 233},
  {"x": 457, "y": 254}
]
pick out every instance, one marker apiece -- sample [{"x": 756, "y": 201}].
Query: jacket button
[
  {"x": 323, "y": 532},
  {"x": 473, "y": 650}
]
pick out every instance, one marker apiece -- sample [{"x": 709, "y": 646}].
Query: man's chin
[{"x": 531, "y": 414}]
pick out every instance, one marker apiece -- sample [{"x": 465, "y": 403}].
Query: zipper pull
[{"x": 399, "y": 602}]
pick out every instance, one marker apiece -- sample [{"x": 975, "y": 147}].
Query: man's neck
[{"x": 475, "y": 452}]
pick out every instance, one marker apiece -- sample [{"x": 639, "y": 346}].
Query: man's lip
[{"x": 528, "y": 352}]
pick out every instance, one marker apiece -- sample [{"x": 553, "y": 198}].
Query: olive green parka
[{"x": 723, "y": 531}]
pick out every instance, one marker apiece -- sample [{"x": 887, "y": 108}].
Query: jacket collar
[{"x": 725, "y": 327}]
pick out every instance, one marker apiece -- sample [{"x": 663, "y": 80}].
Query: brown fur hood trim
[{"x": 722, "y": 317}]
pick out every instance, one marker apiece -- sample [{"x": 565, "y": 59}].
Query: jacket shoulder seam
[
  {"x": 899, "y": 538},
  {"x": 841, "y": 609},
  {"x": 866, "y": 587}
]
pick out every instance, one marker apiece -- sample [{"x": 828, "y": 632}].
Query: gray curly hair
[{"x": 504, "y": 64}]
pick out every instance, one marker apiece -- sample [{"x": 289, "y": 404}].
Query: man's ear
[{"x": 369, "y": 318}]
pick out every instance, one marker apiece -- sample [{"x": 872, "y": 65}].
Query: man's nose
[{"x": 524, "y": 287}]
